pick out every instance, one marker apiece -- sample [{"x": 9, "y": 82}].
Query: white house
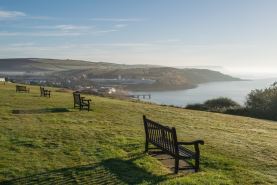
[
  {"x": 109, "y": 90},
  {"x": 2, "y": 79}
]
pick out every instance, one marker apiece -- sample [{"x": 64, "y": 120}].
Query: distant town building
[
  {"x": 108, "y": 90},
  {"x": 2, "y": 79}
]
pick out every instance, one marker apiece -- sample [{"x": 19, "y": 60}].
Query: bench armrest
[
  {"x": 83, "y": 99},
  {"x": 192, "y": 142},
  {"x": 195, "y": 144}
]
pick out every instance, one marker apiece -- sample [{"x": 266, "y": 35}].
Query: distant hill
[
  {"x": 165, "y": 78},
  {"x": 52, "y": 65}
]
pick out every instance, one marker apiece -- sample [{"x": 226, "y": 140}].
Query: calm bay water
[{"x": 236, "y": 90}]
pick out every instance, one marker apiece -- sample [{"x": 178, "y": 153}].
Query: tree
[{"x": 263, "y": 102}]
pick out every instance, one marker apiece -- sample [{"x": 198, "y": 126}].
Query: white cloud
[
  {"x": 71, "y": 27},
  {"x": 120, "y": 25},
  {"x": 168, "y": 41},
  {"x": 40, "y": 34},
  {"x": 117, "y": 19},
  {"x": 104, "y": 31},
  {"x": 10, "y": 14},
  {"x": 64, "y": 27},
  {"x": 42, "y": 18},
  {"x": 26, "y": 44},
  {"x": 64, "y": 31}
]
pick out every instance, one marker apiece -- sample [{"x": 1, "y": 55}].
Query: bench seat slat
[{"x": 184, "y": 152}]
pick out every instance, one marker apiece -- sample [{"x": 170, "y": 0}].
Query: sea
[{"x": 236, "y": 90}]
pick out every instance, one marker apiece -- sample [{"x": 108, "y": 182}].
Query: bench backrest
[
  {"x": 41, "y": 90},
  {"x": 161, "y": 136},
  {"x": 77, "y": 98},
  {"x": 21, "y": 88}
]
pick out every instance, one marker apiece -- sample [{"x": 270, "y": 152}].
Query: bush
[
  {"x": 239, "y": 111},
  {"x": 221, "y": 104},
  {"x": 197, "y": 106},
  {"x": 262, "y": 103},
  {"x": 215, "y": 105}
]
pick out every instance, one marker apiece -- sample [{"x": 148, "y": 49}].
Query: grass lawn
[{"x": 46, "y": 141}]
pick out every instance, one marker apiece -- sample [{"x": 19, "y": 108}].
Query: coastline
[
  {"x": 236, "y": 90},
  {"x": 164, "y": 88}
]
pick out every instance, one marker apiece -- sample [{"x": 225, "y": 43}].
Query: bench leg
[
  {"x": 197, "y": 164},
  {"x": 146, "y": 146},
  {"x": 176, "y": 165},
  {"x": 197, "y": 157}
]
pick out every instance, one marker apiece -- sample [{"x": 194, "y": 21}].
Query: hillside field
[{"x": 46, "y": 141}]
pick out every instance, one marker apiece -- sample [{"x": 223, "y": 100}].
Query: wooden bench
[
  {"x": 165, "y": 139},
  {"x": 21, "y": 88},
  {"x": 44, "y": 92},
  {"x": 81, "y": 102}
]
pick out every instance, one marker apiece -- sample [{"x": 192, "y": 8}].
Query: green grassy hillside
[{"x": 45, "y": 141}]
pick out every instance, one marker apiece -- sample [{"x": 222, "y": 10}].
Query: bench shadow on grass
[
  {"x": 40, "y": 111},
  {"x": 111, "y": 171}
]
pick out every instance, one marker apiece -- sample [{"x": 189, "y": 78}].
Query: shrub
[
  {"x": 197, "y": 106},
  {"x": 262, "y": 103},
  {"x": 221, "y": 104},
  {"x": 239, "y": 111},
  {"x": 215, "y": 105}
]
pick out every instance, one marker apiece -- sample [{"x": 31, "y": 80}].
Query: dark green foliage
[
  {"x": 240, "y": 111},
  {"x": 221, "y": 104},
  {"x": 262, "y": 103},
  {"x": 216, "y": 105},
  {"x": 197, "y": 106}
]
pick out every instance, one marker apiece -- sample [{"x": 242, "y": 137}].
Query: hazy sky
[{"x": 239, "y": 35}]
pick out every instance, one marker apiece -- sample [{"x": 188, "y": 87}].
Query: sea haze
[{"x": 236, "y": 90}]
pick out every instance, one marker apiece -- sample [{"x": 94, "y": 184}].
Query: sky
[{"x": 235, "y": 36}]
